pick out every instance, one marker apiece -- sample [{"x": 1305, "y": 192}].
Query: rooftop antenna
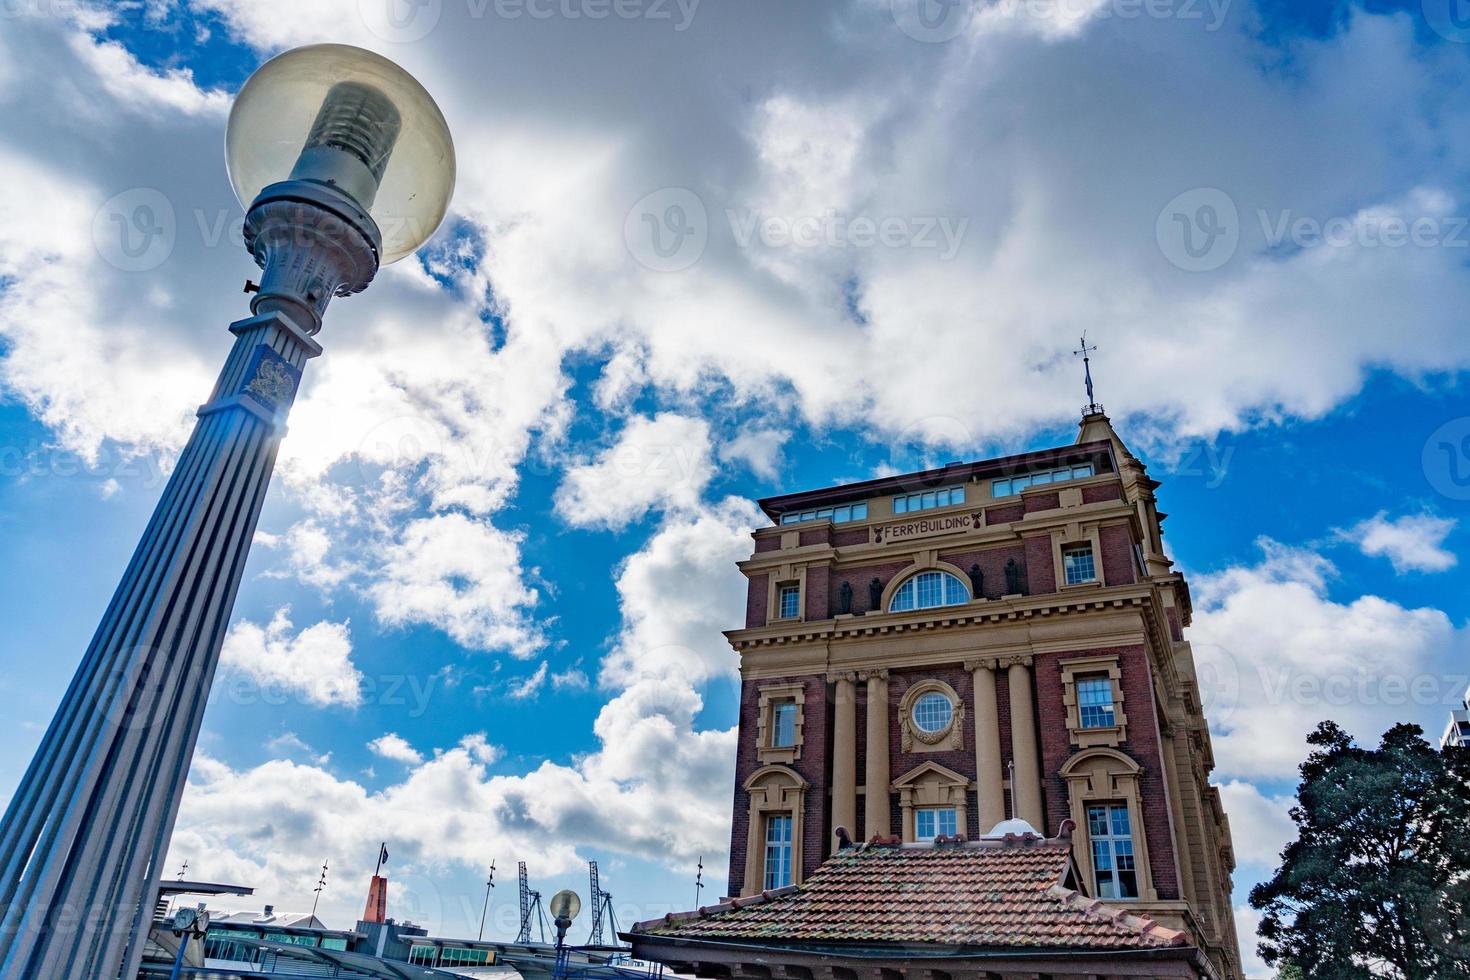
[
  {"x": 320, "y": 884},
  {"x": 530, "y": 902},
  {"x": 699, "y": 882},
  {"x": 184, "y": 870},
  {"x": 1092, "y": 406},
  {"x": 489, "y": 884},
  {"x": 602, "y": 908}
]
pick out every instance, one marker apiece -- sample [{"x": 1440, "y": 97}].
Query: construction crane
[
  {"x": 602, "y": 909},
  {"x": 530, "y": 903}
]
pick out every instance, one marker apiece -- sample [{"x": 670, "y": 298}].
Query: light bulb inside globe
[{"x": 352, "y": 120}]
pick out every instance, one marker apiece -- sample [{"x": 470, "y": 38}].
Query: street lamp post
[{"x": 344, "y": 163}]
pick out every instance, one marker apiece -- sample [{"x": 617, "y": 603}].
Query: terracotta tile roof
[{"x": 992, "y": 894}]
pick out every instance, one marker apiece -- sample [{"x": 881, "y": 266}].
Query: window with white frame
[
  {"x": 837, "y": 515},
  {"x": 929, "y": 499},
  {"x": 788, "y": 602},
  {"x": 1078, "y": 565},
  {"x": 928, "y": 590},
  {"x": 783, "y": 724},
  {"x": 935, "y": 821},
  {"x": 1111, "y": 839},
  {"x": 932, "y": 712},
  {"x": 1014, "y": 485},
  {"x": 778, "y": 851},
  {"x": 1095, "y": 702}
]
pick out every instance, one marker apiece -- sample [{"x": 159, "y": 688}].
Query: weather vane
[{"x": 1092, "y": 406}]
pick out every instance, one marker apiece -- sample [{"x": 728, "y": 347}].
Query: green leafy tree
[{"x": 1378, "y": 882}]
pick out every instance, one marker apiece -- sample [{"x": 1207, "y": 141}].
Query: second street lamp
[{"x": 344, "y": 163}]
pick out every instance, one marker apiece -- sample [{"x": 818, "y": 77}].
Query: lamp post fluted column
[{"x": 83, "y": 839}]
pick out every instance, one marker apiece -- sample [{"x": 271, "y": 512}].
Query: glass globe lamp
[{"x": 349, "y": 120}]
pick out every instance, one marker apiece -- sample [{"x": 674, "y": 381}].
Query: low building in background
[{"x": 251, "y": 945}]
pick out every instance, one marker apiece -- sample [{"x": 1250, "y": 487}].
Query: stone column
[
  {"x": 876, "y": 810},
  {"x": 989, "y": 778},
  {"x": 844, "y": 758},
  {"x": 1026, "y": 786}
]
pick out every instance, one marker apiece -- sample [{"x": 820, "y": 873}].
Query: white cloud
[
  {"x": 527, "y": 687},
  {"x": 462, "y": 576},
  {"x": 315, "y": 663},
  {"x": 760, "y": 449},
  {"x": 270, "y": 824},
  {"x": 391, "y": 745},
  {"x": 1260, "y": 825},
  {"x": 144, "y": 90},
  {"x": 1277, "y": 655},
  {"x": 573, "y": 678},
  {"x": 1413, "y": 543},
  {"x": 480, "y": 749},
  {"x": 678, "y": 595},
  {"x": 1247, "y": 924},
  {"x": 659, "y": 463}
]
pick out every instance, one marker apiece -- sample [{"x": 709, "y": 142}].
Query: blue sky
[{"x": 482, "y": 617}]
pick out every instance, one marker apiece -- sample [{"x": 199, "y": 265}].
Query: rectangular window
[
  {"x": 1078, "y": 565},
  {"x": 932, "y": 822},
  {"x": 1111, "y": 838},
  {"x": 837, "y": 515},
  {"x": 778, "y": 852},
  {"x": 783, "y": 724},
  {"x": 1014, "y": 485},
  {"x": 1095, "y": 702},
  {"x": 790, "y": 601},
  {"x": 948, "y": 497}
]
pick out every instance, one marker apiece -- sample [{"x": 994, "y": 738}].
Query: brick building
[{"x": 925, "y": 655}]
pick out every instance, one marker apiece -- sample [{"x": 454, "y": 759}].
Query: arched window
[{"x": 928, "y": 590}]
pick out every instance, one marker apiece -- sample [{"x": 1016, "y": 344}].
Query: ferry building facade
[{"x": 925, "y": 656}]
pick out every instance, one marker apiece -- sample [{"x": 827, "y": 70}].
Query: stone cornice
[{"x": 975, "y": 613}]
